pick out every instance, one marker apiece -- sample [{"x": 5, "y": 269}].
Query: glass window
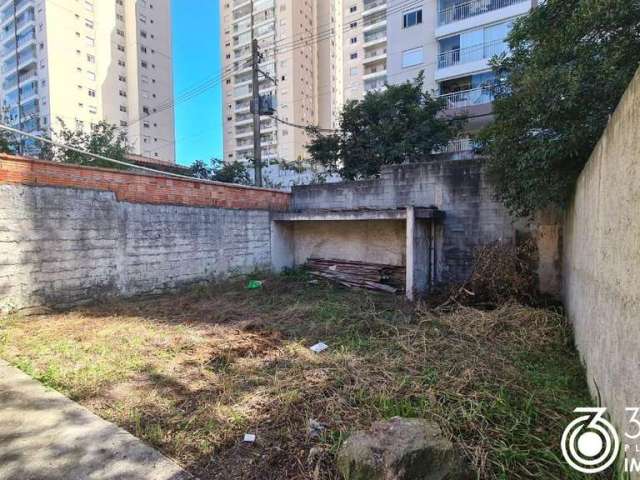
[
  {"x": 412, "y": 57},
  {"x": 410, "y": 19}
]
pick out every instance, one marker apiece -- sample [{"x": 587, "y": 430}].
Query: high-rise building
[
  {"x": 364, "y": 47},
  {"x": 324, "y": 52},
  {"x": 299, "y": 48},
  {"x": 84, "y": 61},
  {"x": 273, "y": 21}
]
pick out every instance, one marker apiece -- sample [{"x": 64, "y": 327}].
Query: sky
[{"x": 196, "y": 60}]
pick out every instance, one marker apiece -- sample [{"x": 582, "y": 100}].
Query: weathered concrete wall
[
  {"x": 60, "y": 246},
  {"x": 459, "y": 187},
  {"x": 365, "y": 241},
  {"x": 601, "y": 262},
  {"x": 70, "y": 233}
]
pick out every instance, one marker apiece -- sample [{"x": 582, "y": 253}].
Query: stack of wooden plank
[{"x": 373, "y": 276}]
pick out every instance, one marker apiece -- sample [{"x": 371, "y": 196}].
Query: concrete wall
[
  {"x": 601, "y": 263},
  {"x": 70, "y": 234},
  {"x": 365, "y": 241},
  {"x": 63, "y": 245},
  {"x": 458, "y": 187}
]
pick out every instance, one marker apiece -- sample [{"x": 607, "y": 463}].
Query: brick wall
[
  {"x": 71, "y": 234},
  {"x": 140, "y": 188}
]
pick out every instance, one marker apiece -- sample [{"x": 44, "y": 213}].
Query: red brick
[{"x": 138, "y": 188}]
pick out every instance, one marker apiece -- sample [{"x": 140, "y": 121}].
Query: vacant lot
[{"x": 191, "y": 373}]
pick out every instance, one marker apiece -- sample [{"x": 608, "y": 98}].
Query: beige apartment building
[
  {"x": 299, "y": 42},
  {"x": 83, "y": 61}
]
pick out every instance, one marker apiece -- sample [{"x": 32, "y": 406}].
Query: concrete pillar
[
  {"x": 282, "y": 246},
  {"x": 418, "y": 255}
]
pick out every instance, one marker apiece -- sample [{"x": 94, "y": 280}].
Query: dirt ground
[{"x": 192, "y": 372}]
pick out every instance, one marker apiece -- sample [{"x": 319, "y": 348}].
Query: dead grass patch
[{"x": 190, "y": 373}]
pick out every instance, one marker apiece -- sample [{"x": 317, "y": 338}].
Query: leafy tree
[
  {"x": 102, "y": 139},
  {"x": 219, "y": 171},
  {"x": 199, "y": 169},
  {"x": 571, "y": 61},
  {"x": 398, "y": 125}
]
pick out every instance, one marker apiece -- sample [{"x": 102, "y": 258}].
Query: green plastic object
[{"x": 254, "y": 284}]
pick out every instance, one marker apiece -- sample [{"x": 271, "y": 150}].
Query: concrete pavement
[{"x": 44, "y": 435}]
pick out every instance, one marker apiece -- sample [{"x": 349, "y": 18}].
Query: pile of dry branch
[
  {"x": 373, "y": 276},
  {"x": 501, "y": 273}
]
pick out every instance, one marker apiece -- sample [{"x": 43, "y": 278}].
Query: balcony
[
  {"x": 374, "y": 6},
  {"x": 460, "y": 11},
  {"x": 375, "y": 37},
  {"x": 375, "y": 85},
  {"x": 375, "y": 71},
  {"x": 471, "y": 54},
  {"x": 468, "y": 98}
]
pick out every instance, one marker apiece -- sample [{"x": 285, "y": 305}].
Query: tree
[
  {"x": 102, "y": 139},
  {"x": 571, "y": 61},
  {"x": 398, "y": 125},
  {"x": 219, "y": 171}
]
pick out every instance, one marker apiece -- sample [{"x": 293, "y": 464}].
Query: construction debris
[
  {"x": 319, "y": 347},
  {"x": 372, "y": 276}
]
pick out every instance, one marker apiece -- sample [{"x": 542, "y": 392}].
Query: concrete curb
[{"x": 44, "y": 435}]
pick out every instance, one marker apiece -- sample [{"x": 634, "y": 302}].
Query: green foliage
[
  {"x": 398, "y": 125},
  {"x": 571, "y": 62},
  {"x": 219, "y": 171},
  {"x": 102, "y": 139}
]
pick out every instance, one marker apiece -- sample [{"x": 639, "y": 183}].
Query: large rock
[{"x": 400, "y": 449}]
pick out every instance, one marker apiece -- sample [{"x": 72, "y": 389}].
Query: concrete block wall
[
  {"x": 459, "y": 187},
  {"x": 601, "y": 265},
  {"x": 64, "y": 243}
]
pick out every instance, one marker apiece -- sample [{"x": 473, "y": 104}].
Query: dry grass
[{"x": 191, "y": 373}]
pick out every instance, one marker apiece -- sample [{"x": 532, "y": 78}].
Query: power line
[
  {"x": 294, "y": 125},
  {"x": 227, "y": 72},
  {"x": 90, "y": 154}
]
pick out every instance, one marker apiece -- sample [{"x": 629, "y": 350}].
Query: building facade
[
  {"x": 452, "y": 41},
  {"x": 81, "y": 62},
  {"x": 325, "y": 52}
]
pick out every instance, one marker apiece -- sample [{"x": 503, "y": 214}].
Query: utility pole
[
  {"x": 257, "y": 147},
  {"x": 255, "y": 105}
]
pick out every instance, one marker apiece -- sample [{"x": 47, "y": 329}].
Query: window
[
  {"x": 91, "y": 76},
  {"x": 412, "y": 57},
  {"x": 353, "y": 24},
  {"x": 410, "y": 19},
  {"x": 353, "y": 9},
  {"x": 90, "y": 42},
  {"x": 91, "y": 92},
  {"x": 88, "y": 23},
  {"x": 123, "y": 109},
  {"x": 354, "y": 72},
  {"x": 91, "y": 58},
  {"x": 354, "y": 55},
  {"x": 354, "y": 39}
]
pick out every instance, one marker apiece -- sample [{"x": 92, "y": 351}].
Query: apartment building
[
  {"x": 83, "y": 61},
  {"x": 364, "y": 46},
  {"x": 289, "y": 75},
  {"x": 452, "y": 41}
]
